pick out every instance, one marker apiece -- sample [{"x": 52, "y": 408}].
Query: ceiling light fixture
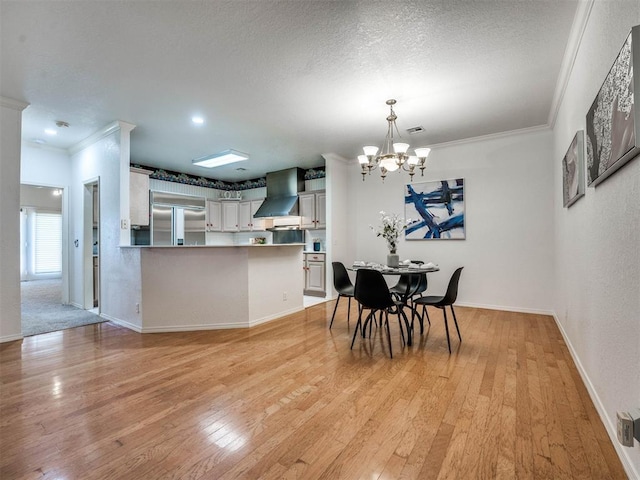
[
  {"x": 197, "y": 120},
  {"x": 219, "y": 159},
  {"x": 50, "y": 131},
  {"x": 394, "y": 155}
]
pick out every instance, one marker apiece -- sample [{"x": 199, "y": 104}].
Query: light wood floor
[{"x": 288, "y": 399}]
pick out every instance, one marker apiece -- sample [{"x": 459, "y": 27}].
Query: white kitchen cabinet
[
  {"x": 214, "y": 216},
  {"x": 313, "y": 209},
  {"x": 258, "y": 223},
  {"x": 314, "y": 274},
  {"x": 246, "y": 222},
  {"x": 139, "y": 196},
  {"x": 230, "y": 212}
]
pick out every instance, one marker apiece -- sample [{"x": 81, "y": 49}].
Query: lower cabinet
[{"x": 314, "y": 274}]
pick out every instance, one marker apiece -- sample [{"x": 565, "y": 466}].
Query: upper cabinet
[
  {"x": 214, "y": 216},
  {"x": 313, "y": 209},
  {"x": 246, "y": 221},
  {"x": 230, "y": 211},
  {"x": 139, "y": 196}
]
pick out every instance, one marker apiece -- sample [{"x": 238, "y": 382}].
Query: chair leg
[
  {"x": 409, "y": 329},
  {"x": 348, "y": 311},
  {"x": 334, "y": 311},
  {"x": 401, "y": 329},
  {"x": 355, "y": 330},
  {"x": 455, "y": 320},
  {"x": 426, "y": 313},
  {"x": 386, "y": 315},
  {"x": 446, "y": 326}
]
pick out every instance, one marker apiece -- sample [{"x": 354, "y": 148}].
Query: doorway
[{"x": 91, "y": 242}]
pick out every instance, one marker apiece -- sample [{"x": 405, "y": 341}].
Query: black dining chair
[
  {"x": 344, "y": 287},
  {"x": 372, "y": 293},
  {"x": 448, "y": 299},
  {"x": 409, "y": 286}
]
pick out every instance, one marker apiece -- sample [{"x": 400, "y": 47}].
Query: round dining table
[{"x": 401, "y": 270}]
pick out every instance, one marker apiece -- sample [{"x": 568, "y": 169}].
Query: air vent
[{"x": 413, "y": 130}]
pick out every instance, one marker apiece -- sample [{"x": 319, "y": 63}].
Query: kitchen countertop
[{"x": 219, "y": 246}]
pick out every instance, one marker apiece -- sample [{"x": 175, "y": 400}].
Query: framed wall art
[
  {"x": 613, "y": 121},
  {"x": 435, "y": 210},
  {"x": 573, "y": 171}
]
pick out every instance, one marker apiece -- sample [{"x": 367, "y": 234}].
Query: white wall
[
  {"x": 597, "y": 301},
  {"x": 10, "y": 131},
  {"x": 338, "y": 244},
  {"x": 102, "y": 158},
  {"x": 45, "y": 166},
  {"x": 508, "y": 251}
]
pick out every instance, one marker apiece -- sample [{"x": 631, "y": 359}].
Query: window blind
[{"x": 48, "y": 243}]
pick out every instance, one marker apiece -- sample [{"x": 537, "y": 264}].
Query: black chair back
[
  {"x": 452, "y": 290},
  {"x": 341, "y": 281},
  {"x": 371, "y": 290}
]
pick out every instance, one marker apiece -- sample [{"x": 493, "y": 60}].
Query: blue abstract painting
[{"x": 435, "y": 210}]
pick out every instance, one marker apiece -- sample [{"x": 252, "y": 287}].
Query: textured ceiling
[{"x": 284, "y": 81}]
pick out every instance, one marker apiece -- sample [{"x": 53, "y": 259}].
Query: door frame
[{"x": 65, "y": 236}]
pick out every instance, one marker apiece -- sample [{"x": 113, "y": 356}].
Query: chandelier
[{"x": 394, "y": 155}]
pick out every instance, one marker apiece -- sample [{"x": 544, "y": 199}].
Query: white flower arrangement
[{"x": 390, "y": 228}]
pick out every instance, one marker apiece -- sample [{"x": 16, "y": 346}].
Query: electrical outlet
[
  {"x": 137, "y": 308},
  {"x": 284, "y": 296},
  {"x": 625, "y": 429},
  {"x": 124, "y": 223}
]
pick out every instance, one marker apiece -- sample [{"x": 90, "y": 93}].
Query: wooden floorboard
[{"x": 289, "y": 399}]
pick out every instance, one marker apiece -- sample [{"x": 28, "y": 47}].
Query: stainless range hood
[{"x": 282, "y": 193}]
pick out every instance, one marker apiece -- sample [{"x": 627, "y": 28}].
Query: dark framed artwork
[
  {"x": 613, "y": 123},
  {"x": 573, "y": 171},
  {"x": 435, "y": 210}
]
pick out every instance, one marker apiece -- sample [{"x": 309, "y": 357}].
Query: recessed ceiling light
[
  {"x": 50, "y": 131},
  {"x": 197, "y": 120},
  {"x": 222, "y": 158},
  {"x": 39, "y": 141}
]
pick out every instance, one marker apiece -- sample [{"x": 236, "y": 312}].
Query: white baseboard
[
  {"x": 506, "y": 309},
  {"x": 602, "y": 411},
  {"x": 11, "y": 338},
  {"x": 253, "y": 323},
  {"x": 122, "y": 323},
  {"x": 77, "y": 305},
  {"x": 194, "y": 328}
]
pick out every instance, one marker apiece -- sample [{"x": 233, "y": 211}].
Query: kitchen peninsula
[{"x": 212, "y": 287}]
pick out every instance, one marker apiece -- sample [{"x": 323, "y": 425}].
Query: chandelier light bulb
[
  {"x": 362, "y": 159},
  {"x": 413, "y": 160},
  {"x": 422, "y": 152},
  {"x": 389, "y": 164},
  {"x": 370, "y": 150},
  {"x": 400, "y": 147}
]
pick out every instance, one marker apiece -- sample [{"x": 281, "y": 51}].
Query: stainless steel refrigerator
[{"x": 177, "y": 219}]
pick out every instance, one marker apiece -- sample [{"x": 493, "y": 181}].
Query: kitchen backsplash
[{"x": 311, "y": 236}]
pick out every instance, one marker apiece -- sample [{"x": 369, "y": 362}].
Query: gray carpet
[{"x": 42, "y": 310}]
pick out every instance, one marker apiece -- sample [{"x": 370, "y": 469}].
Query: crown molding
[
  {"x": 13, "y": 104},
  {"x": 493, "y": 136},
  {"x": 44, "y": 146},
  {"x": 113, "y": 127},
  {"x": 334, "y": 157},
  {"x": 583, "y": 12}
]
